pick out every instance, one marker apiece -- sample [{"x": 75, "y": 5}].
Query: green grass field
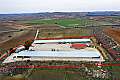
[{"x": 62, "y": 22}]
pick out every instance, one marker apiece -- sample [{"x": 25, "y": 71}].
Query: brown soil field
[
  {"x": 114, "y": 33},
  {"x": 12, "y": 25},
  {"x": 6, "y": 28},
  {"x": 18, "y": 40}
]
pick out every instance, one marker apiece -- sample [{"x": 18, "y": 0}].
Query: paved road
[{"x": 36, "y": 34}]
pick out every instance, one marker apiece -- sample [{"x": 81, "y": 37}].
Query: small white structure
[{"x": 20, "y": 48}]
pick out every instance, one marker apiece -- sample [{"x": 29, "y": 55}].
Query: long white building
[{"x": 62, "y": 41}]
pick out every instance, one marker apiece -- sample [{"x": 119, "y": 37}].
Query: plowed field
[{"x": 114, "y": 33}]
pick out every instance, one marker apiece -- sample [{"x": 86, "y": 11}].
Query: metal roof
[
  {"x": 77, "y": 53},
  {"x": 61, "y": 40}
]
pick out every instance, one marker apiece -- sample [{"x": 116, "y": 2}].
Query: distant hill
[
  {"x": 106, "y": 13},
  {"x": 28, "y": 16}
]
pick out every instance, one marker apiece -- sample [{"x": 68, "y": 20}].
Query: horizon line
[{"x": 60, "y": 12}]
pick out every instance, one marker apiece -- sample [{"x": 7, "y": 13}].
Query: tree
[{"x": 28, "y": 44}]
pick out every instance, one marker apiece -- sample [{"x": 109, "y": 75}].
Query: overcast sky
[{"x": 26, "y": 6}]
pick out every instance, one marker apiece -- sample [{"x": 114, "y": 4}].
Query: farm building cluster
[{"x": 58, "y": 50}]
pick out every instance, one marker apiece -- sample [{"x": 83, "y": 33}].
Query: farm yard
[{"x": 17, "y": 38}]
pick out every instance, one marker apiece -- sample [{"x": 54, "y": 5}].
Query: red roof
[{"x": 78, "y": 45}]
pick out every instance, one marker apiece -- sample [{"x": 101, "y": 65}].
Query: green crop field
[{"x": 62, "y": 22}]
